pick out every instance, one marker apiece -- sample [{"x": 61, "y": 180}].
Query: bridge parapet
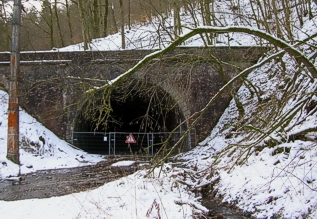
[{"x": 250, "y": 54}]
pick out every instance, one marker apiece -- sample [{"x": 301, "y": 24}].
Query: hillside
[{"x": 264, "y": 161}]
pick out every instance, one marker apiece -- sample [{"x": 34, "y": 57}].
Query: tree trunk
[
  {"x": 177, "y": 20},
  {"x": 208, "y": 20},
  {"x": 114, "y": 20},
  {"x": 51, "y": 25},
  {"x": 6, "y": 29},
  {"x": 264, "y": 18},
  {"x": 277, "y": 20},
  {"x": 129, "y": 15},
  {"x": 122, "y": 23},
  {"x": 58, "y": 24},
  {"x": 95, "y": 22},
  {"x": 69, "y": 22},
  {"x": 85, "y": 31},
  {"x": 287, "y": 21},
  {"x": 105, "y": 19}
]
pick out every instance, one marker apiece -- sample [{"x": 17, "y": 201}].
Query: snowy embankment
[
  {"x": 263, "y": 158},
  {"x": 40, "y": 148}
]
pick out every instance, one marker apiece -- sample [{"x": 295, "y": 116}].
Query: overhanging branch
[{"x": 207, "y": 29}]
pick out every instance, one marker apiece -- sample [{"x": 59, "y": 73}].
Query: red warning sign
[{"x": 130, "y": 139}]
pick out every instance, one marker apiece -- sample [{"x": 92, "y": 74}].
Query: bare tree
[
  {"x": 105, "y": 18},
  {"x": 177, "y": 19},
  {"x": 129, "y": 14},
  {"x": 95, "y": 19},
  {"x": 69, "y": 21},
  {"x": 122, "y": 24},
  {"x": 47, "y": 16},
  {"x": 114, "y": 21},
  {"x": 4, "y": 27},
  {"x": 61, "y": 38},
  {"x": 84, "y": 23}
]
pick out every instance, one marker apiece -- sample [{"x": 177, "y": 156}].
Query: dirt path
[{"x": 58, "y": 182}]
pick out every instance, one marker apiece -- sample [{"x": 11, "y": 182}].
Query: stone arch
[{"x": 163, "y": 111}]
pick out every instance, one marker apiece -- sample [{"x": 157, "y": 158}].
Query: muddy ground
[{"x": 58, "y": 182}]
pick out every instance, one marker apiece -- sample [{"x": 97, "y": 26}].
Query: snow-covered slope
[
  {"x": 40, "y": 148},
  {"x": 158, "y": 32}
]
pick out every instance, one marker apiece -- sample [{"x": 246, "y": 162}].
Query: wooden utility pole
[{"x": 13, "y": 106}]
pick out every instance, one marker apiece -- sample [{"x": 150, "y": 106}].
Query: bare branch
[{"x": 255, "y": 32}]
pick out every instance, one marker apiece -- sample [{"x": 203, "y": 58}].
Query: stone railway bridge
[{"x": 169, "y": 89}]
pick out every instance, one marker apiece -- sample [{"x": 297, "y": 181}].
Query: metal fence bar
[
  {"x": 148, "y": 142},
  {"x": 109, "y": 144},
  {"x": 114, "y": 144},
  {"x": 152, "y": 143}
]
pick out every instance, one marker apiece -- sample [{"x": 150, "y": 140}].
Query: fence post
[
  {"x": 114, "y": 144},
  {"x": 152, "y": 143}
]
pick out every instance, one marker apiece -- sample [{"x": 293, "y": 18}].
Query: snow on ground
[
  {"x": 123, "y": 163},
  {"x": 132, "y": 197}
]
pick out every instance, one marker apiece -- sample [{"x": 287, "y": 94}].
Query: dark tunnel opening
[{"x": 146, "y": 111}]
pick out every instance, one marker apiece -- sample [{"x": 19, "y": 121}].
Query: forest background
[
  {"x": 58, "y": 23},
  {"x": 48, "y": 24}
]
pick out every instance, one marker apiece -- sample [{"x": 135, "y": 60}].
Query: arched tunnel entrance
[{"x": 144, "y": 110}]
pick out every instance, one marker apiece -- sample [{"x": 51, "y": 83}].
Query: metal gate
[{"x": 114, "y": 143}]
